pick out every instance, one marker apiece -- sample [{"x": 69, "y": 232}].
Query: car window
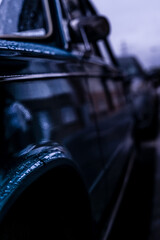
[{"x": 24, "y": 18}]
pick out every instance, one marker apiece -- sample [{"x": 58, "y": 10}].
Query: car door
[{"x": 114, "y": 124}]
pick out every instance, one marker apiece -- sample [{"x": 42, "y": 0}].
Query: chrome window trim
[{"x": 51, "y": 76}]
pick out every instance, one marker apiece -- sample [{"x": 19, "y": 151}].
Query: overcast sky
[{"x": 135, "y": 28}]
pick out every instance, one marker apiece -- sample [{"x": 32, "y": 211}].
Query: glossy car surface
[{"x": 66, "y": 129}]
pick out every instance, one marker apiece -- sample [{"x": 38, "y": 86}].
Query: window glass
[{"x": 24, "y": 18}]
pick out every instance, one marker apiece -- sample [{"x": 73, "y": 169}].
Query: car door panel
[{"x": 114, "y": 124}]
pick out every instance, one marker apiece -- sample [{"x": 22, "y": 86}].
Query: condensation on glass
[{"x": 25, "y": 19}]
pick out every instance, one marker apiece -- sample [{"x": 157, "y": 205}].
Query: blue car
[{"x": 67, "y": 146}]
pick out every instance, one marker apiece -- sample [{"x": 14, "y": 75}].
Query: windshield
[{"x": 24, "y": 18}]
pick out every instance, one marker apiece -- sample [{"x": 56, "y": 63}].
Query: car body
[{"x": 67, "y": 144}]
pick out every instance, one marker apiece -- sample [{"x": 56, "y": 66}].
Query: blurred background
[{"x": 135, "y": 28}]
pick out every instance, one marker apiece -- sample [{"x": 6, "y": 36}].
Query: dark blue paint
[{"x": 34, "y": 48}]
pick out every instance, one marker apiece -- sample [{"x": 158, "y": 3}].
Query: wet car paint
[{"x": 51, "y": 95}]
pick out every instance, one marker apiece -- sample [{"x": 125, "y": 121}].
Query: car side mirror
[{"x": 94, "y": 27}]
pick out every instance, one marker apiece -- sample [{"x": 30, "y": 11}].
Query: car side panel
[
  {"x": 56, "y": 110},
  {"x": 114, "y": 123}
]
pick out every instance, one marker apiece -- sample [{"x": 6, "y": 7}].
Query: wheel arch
[{"x": 47, "y": 173}]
